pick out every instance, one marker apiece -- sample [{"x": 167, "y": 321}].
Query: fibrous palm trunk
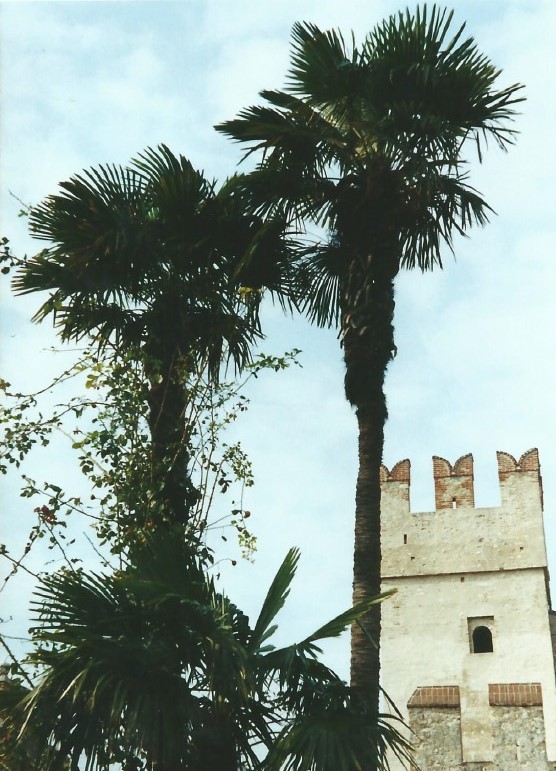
[
  {"x": 167, "y": 399},
  {"x": 368, "y": 348},
  {"x": 216, "y": 746},
  {"x": 367, "y": 235}
]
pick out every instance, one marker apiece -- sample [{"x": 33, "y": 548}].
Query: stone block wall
[
  {"x": 437, "y": 741},
  {"x": 518, "y": 739}
]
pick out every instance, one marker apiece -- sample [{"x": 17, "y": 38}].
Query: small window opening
[
  {"x": 454, "y": 503},
  {"x": 462, "y": 579},
  {"x": 482, "y": 640},
  {"x": 405, "y": 537}
]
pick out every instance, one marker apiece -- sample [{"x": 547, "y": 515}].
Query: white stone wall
[
  {"x": 463, "y": 539},
  {"x": 425, "y": 641},
  {"x": 453, "y": 565}
]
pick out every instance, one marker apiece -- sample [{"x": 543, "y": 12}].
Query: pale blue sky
[{"x": 91, "y": 82}]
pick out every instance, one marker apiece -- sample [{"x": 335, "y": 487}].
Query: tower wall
[
  {"x": 461, "y": 538},
  {"x": 455, "y": 569}
]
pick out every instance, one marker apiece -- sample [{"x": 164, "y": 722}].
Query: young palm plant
[
  {"x": 372, "y": 143},
  {"x": 153, "y": 668},
  {"x": 151, "y": 257}
]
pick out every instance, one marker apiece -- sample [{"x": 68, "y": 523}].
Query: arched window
[{"x": 482, "y": 640}]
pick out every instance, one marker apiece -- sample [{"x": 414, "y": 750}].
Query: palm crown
[
  {"x": 364, "y": 134},
  {"x": 154, "y": 252}
]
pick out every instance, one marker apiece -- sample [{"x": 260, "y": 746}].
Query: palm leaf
[
  {"x": 339, "y": 624},
  {"x": 319, "y": 280},
  {"x": 274, "y": 600},
  {"x": 336, "y": 731},
  {"x": 152, "y": 659},
  {"x": 434, "y": 90},
  {"x": 446, "y": 205},
  {"x": 321, "y": 68}
]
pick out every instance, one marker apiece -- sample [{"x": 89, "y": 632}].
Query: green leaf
[{"x": 275, "y": 599}]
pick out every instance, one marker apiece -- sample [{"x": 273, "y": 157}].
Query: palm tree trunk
[
  {"x": 365, "y": 635},
  {"x": 368, "y": 341},
  {"x": 167, "y": 399},
  {"x": 216, "y": 746}
]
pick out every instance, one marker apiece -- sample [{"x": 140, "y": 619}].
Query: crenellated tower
[{"x": 466, "y": 646}]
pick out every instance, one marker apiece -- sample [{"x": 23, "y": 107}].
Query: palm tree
[
  {"x": 150, "y": 257},
  {"x": 371, "y": 142},
  {"x": 153, "y": 668}
]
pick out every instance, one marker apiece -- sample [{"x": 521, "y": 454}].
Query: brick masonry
[
  {"x": 435, "y": 696},
  {"x": 453, "y": 485},
  {"x": 515, "y": 694}
]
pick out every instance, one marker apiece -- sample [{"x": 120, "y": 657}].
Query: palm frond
[
  {"x": 297, "y": 668},
  {"x": 335, "y": 732},
  {"x": 99, "y": 227},
  {"x": 435, "y": 91},
  {"x": 286, "y": 134},
  {"x": 274, "y": 600},
  {"x": 123, "y": 654},
  {"x": 339, "y": 624},
  {"x": 321, "y": 65},
  {"x": 293, "y": 197},
  {"x": 180, "y": 194},
  {"x": 154, "y": 660},
  {"x": 330, "y": 742},
  {"x": 444, "y": 204},
  {"x": 320, "y": 277}
]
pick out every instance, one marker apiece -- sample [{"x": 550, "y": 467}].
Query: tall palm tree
[
  {"x": 372, "y": 143},
  {"x": 152, "y": 666},
  {"x": 152, "y": 256}
]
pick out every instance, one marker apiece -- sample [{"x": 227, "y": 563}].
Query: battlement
[
  {"x": 457, "y": 537},
  {"x": 454, "y": 484}
]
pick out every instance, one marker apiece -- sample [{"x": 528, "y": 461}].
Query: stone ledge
[
  {"x": 435, "y": 696},
  {"x": 515, "y": 694}
]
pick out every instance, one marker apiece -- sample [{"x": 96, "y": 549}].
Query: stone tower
[{"x": 467, "y": 655}]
